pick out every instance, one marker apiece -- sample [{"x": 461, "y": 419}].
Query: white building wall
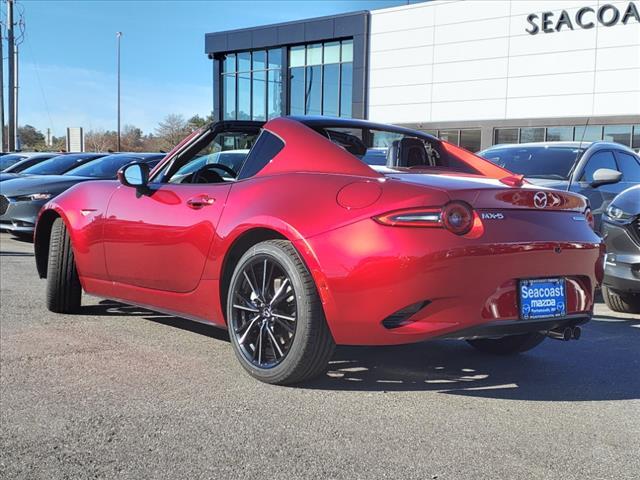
[{"x": 457, "y": 60}]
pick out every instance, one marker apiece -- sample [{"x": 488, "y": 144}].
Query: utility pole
[
  {"x": 11, "y": 144},
  {"x": 2, "y": 149},
  {"x": 118, "y": 35}
]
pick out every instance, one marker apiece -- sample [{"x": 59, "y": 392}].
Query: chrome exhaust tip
[
  {"x": 576, "y": 332},
  {"x": 564, "y": 334}
]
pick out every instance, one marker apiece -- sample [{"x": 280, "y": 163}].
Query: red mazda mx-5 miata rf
[{"x": 305, "y": 232}]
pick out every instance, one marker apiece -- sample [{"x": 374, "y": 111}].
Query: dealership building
[{"x": 475, "y": 73}]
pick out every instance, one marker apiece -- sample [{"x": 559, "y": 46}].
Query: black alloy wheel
[
  {"x": 274, "y": 315},
  {"x": 264, "y": 312}
]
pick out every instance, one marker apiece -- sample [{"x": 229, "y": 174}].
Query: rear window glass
[{"x": 266, "y": 147}]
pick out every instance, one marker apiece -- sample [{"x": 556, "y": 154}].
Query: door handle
[{"x": 200, "y": 201}]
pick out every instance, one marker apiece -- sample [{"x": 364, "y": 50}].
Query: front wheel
[
  {"x": 508, "y": 345},
  {"x": 275, "y": 318},
  {"x": 63, "y": 285}
]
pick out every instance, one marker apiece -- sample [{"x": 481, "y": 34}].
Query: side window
[
  {"x": 266, "y": 147},
  {"x": 598, "y": 160},
  {"x": 215, "y": 160},
  {"x": 629, "y": 166}
]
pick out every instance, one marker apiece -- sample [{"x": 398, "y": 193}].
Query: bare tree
[
  {"x": 100, "y": 140},
  {"x": 171, "y": 130}
]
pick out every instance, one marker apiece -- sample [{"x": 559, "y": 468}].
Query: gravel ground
[{"x": 121, "y": 392}]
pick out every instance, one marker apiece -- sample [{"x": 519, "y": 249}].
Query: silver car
[
  {"x": 621, "y": 230},
  {"x": 597, "y": 170}
]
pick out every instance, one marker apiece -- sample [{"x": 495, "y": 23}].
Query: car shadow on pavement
[
  {"x": 603, "y": 365},
  {"x": 112, "y": 308}
]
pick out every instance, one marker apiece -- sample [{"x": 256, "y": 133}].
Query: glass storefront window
[
  {"x": 532, "y": 134},
  {"x": 258, "y": 97},
  {"x": 296, "y": 91},
  {"x": 618, "y": 133},
  {"x": 275, "y": 58},
  {"x": 591, "y": 133},
  {"x": 347, "y": 51},
  {"x": 313, "y": 90},
  {"x": 244, "y": 61},
  {"x": 635, "y": 141},
  {"x": 470, "y": 139},
  {"x": 314, "y": 54},
  {"x": 229, "y": 63},
  {"x": 274, "y": 92},
  {"x": 346, "y": 86},
  {"x": 505, "y": 135},
  {"x": 332, "y": 52},
  {"x": 321, "y": 79},
  {"x": 259, "y": 60},
  {"x": 451, "y": 136},
  {"x": 297, "y": 56},
  {"x": 244, "y": 96},
  {"x": 252, "y": 85},
  {"x": 559, "y": 134},
  {"x": 331, "y": 90},
  {"x": 229, "y": 97}
]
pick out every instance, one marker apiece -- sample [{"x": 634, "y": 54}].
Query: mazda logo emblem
[{"x": 540, "y": 200}]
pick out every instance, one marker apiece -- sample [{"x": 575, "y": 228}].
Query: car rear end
[{"x": 472, "y": 258}]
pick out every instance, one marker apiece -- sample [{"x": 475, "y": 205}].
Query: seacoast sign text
[{"x": 586, "y": 17}]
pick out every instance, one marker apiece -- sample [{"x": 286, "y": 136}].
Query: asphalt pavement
[{"x": 122, "y": 392}]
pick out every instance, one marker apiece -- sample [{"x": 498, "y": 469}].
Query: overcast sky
[{"x": 68, "y": 56}]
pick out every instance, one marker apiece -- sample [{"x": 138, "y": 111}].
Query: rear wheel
[
  {"x": 620, "y": 302},
  {"x": 508, "y": 345},
  {"x": 275, "y": 319},
  {"x": 63, "y": 285}
]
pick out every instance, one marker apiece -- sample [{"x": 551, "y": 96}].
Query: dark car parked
[
  {"x": 21, "y": 198},
  {"x": 29, "y": 161},
  {"x": 9, "y": 159},
  {"x": 621, "y": 230},
  {"x": 597, "y": 170},
  {"x": 55, "y": 166}
]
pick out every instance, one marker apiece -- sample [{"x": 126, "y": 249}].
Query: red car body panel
[{"x": 154, "y": 250}]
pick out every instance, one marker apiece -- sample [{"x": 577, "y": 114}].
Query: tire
[
  {"x": 289, "y": 356},
  {"x": 618, "y": 302},
  {"x": 63, "y": 285},
  {"x": 508, "y": 345}
]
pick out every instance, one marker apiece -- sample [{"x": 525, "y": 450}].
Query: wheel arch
[
  {"x": 42, "y": 238},
  {"x": 241, "y": 244}
]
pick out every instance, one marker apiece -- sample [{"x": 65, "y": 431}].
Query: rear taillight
[
  {"x": 457, "y": 217},
  {"x": 412, "y": 217},
  {"x": 590, "y": 220}
]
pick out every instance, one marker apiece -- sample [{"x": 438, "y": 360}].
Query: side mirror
[
  {"x": 134, "y": 175},
  {"x": 605, "y": 176}
]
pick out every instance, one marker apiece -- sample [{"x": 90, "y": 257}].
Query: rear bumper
[
  {"x": 516, "y": 327},
  {"x": 367, "y": 273}
]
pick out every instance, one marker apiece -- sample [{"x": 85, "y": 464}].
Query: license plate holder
[{"x": 542, "y": 298}]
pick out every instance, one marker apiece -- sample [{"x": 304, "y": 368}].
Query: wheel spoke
[
  {"x": 248, "y": 329},
  {"x": 253, "y": 290},
  {"x": 264, "y": 278},
  {"x": 260, "y": 345},
  {"x": 284, "y": 317},
  {"x": 274, "y": 342},
  {"x": 279, "y": 292},
  {"x": 248, "y": 309}
]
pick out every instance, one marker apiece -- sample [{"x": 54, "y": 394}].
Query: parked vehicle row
[{"x": 23, "y": 194}]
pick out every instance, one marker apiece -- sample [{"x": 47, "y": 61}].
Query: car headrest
[{"x": 412, "y": 153}]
